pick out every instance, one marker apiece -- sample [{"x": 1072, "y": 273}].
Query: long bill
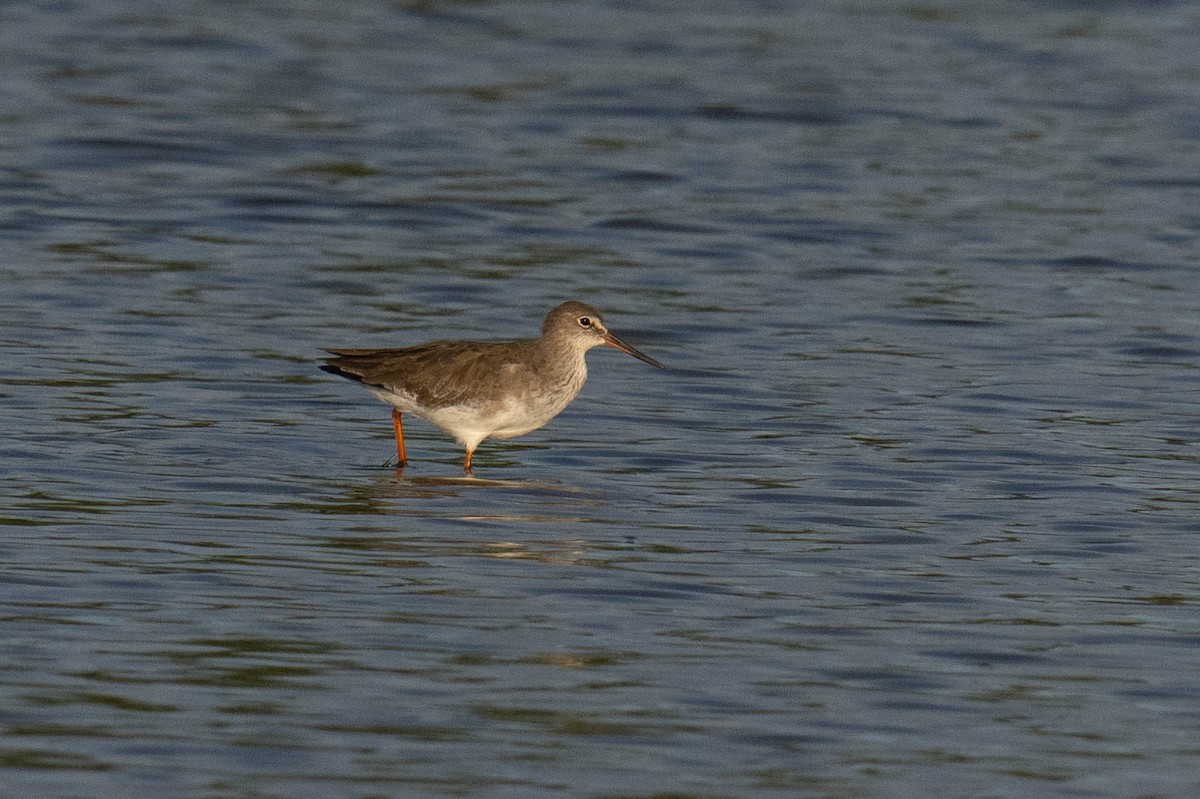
[{"x": 616, "y": 343}]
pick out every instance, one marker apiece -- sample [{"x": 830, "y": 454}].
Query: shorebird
[{"x": 477, "y": 389}]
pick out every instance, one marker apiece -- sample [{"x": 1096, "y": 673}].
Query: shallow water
[{"x": 913, "y": 509}]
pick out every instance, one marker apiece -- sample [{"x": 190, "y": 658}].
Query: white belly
[{"x": 470, "y": 424}]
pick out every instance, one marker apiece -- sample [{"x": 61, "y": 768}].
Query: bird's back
[{"x": 441, "y": 373}]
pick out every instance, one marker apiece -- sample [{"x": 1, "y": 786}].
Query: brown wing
[{"x": 440, "y": 373}]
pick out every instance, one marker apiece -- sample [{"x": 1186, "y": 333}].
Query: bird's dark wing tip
[{"x": 335, "y": 369}]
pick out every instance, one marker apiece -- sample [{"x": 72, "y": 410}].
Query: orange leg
[
  {"x": 467, "y": 462},
  {"x": 401, "y": 461}
]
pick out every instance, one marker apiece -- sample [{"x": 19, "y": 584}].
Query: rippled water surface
[{"x": 913, "y": 512}]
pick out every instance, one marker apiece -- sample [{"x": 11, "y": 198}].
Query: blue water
[{"x": 911, "y": 513}]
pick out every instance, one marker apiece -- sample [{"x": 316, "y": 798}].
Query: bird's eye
[{"x": 585, "y": 321}]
